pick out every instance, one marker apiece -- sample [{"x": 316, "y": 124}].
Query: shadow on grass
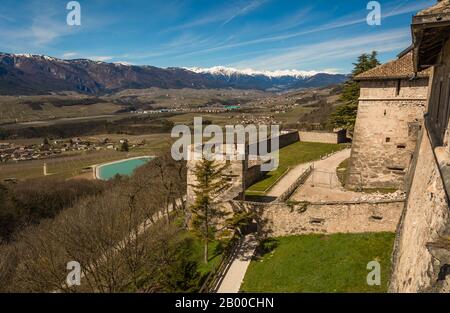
[
  {"x": 266, "y": 246},
  {"x": 259, "y": 198}
]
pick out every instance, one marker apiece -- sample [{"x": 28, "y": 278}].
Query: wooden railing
[
  {"x": 215, "y": 277},
  {"x": 301, "y": 180}
]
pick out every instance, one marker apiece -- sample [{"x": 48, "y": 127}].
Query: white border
[{"x": 96, "y": 168}]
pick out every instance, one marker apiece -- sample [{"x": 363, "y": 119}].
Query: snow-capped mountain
[
  {"x": 269, "y": 80},
  {"x": 37, "y": 74},
  {"x": 229, "y": 71}
]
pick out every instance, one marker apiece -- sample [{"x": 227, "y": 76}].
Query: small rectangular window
[
  {"x": 399, "y": 87},
  {"x": 439, "y": 104},
  {"x": 388, "y": 139},
  {"x": 317, "y": 221},
  {"x": 396, "y": 168},
  {"x": 401, "y": 147}
]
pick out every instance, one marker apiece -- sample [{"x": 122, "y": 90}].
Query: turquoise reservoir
[{"x": 125, "y": 168}]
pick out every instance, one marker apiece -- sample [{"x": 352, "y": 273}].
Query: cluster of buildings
[
  {"x": 189, "y": 109},
  {"x": 251, "y": 119},
  {"x": 54, "y": 148},
  {"x": 13, "y": 152}
]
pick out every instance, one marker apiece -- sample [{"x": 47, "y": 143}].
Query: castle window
[
  {"x": 401, "y": 147},
  {"x": 388, "y": 139},
  {"x": 396, "y": 168},
  {"x": 317, "y": 221},
  {"x": 399, "y": 87},
  {"x": 439, "y": 103}
]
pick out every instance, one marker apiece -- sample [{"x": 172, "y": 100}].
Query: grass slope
[
  {"x": 320, "y": 263},
  {"x": 292, "y": 155}
]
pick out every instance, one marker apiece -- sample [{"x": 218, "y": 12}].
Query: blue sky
[{"x": 259, "y": 34}]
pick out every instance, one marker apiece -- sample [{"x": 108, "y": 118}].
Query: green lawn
[
  {"x": 321, "y": 263},
  {"x": 214, "y": 254},
  {"x": 292, "y": 155}
]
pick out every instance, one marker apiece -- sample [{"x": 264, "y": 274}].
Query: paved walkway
[
  {"x": 323, "y": 184},
  {"x": 287, "y": 180},
  {"x": 290, "y": 178},
  {"x": 234, "y": 277}
]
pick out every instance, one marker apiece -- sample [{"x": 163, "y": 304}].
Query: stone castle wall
[
  {"x": 323, "y": 218},
  {"x": 284, "y": 140},
  {"x": 253, "y": 174},
  {"x": 244, "y": 174},
  {"x": 281, "y": 219},
  {"x": 323, "y": 137},
  {"x": 439, "y": 106},
  {"x": 387, "y": 125},
  {"x": 425, "y": 217},
  {"x": 419, "y": 256},
  {"x": 236, "y": 168}
]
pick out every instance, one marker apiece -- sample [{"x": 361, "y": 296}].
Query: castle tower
[
  {"x": 390, "y": 115},
  {"x": 237, "y": 169}
]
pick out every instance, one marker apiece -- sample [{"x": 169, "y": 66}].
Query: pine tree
[
  {"x": 373, "y": 60},
  {"x": 125, "y": 146},
  {"x": 206, "y": 211},
  {"x": 345, "y": 115}
]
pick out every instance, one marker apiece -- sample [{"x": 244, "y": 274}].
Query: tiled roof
[
  {"x": 442, "y": 6},
  {"x": 400, "y": 68}
]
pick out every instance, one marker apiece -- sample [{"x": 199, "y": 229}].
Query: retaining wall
[{"x": 323, "y": 137}]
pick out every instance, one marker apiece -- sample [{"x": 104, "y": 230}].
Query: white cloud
[
  {"x": 336, "y": 49},
  {"x": 100, "y": 58},
  {"x": 224, "y": 15},
  {"x": 69, "y": 55},
  {"x": 348, "y": 20},
  {"x": 6, "y": 18},
  {"x": 253, "y": 5}
]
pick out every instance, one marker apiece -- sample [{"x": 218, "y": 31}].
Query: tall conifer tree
[{"x": 345, "y": 114}]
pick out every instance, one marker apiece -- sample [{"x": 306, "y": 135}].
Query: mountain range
[{"x": 25, "y": 74}]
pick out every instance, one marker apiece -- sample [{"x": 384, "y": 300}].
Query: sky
[{"x": 319, "y": 35}]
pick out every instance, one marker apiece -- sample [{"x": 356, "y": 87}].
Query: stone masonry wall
[
  {"x": 284, "y": 140},
  {"x": 425, "y": 217},
  {"x": 322, "y": 137},
  {"x": 284, "y": 220},
  {"x": 386, "y": 132},
  {"x": 236, "y": 168},
  {"x": 253, "y": 174},
  {"x": 281, "y": 219},
  {"x": 439, "y": 104},
  {"x": 244, "y": 175}
]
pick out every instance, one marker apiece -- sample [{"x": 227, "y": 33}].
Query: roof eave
[
  {"x": 420, "y": 25},
  {"x": 378, "y": 78}
]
